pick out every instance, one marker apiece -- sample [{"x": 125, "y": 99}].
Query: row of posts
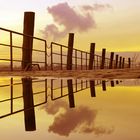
[
  {"x": 119, "y": 61},
  {"x": 29, "y": 18}
]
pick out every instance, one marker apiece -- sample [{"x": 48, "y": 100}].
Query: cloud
[
  {"x": 96, "y": 7},
  {"x": 71, "y": 20},
  {"x": 81, "y": 120}
]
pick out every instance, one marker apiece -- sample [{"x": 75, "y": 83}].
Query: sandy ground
[{"x": 80, "y": 74}]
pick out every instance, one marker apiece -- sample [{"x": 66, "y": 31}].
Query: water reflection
[
  {"x": 70, "y": 94},
  {"x": 63, "y": 87},
  {"x": 26, "y": 98},
  {"x": 29, "y": 113},
  {"x": 24, "y": 94},
  {"x": 92, "y": 88},
  {"x": 81, "y": 120},
  {"x": 104, "y": 85}
]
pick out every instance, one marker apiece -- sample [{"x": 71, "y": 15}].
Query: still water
[{"x": 61, "y": 109}]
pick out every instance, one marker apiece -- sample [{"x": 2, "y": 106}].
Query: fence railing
[
  {"x": 80, "y": 59},
  {"x": 20, "y": 50},
  {"x": 11, "y": 50},
  {"x": 52, "y": 58}
]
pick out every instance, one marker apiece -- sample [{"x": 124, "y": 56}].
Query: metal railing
[
  {"x": 39, "y": 56},
  {"x": 80, "y": 59},
  {"x": 51, "y": 58}
]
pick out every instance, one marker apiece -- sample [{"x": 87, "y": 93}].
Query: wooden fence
[{"x": 34, "y": 52}]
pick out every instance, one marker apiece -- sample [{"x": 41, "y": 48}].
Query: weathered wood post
[
  {"x": 129, "y": 62},
  {"x": 123, "y": 62},
  {"x": 92, "y": 53},
  {"x": 92, "y": 88},
  {"x": 29, "y": 113},
  {"x": 111, "y": 60},
  {"x": 116, "y": 61},
  {"x": 70, "y": 51},
  {"x": 103, "y": 58},
  {"x": 104, "y": 85},
  {"x": 28, "y": 29},
  {"x": 120, "y": 62},
  {"x": 70, "y": 94}
]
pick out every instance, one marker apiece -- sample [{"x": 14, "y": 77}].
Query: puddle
[{"x": 42, "y": 108}]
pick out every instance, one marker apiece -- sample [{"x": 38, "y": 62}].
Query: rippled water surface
[{"x": 61, "y": 109}]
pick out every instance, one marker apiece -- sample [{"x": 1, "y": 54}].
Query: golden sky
[{"x": 111, "y": 24}]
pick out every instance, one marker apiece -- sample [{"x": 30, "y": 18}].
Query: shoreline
[{"x": 78, "y": 74}]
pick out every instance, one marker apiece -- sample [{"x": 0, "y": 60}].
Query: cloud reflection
[{"x": 80, "y": 119}]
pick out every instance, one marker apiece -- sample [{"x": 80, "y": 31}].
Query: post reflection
[
  {"x": 71, "y": 94},
  {"x": 104, "y": 85},
  {"x": 29, "y": 112},
  {"x": 19, "y": 97},
  {"x": 112, "y": 83},
  {"x": 92, "y": 88}
]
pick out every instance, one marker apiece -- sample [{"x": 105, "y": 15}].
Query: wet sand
[{"x": 80, "y": 74}]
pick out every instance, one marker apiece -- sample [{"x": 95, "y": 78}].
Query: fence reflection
[
  {"x": 29, "y": 93},
  {"x": 12, "y": 95}
]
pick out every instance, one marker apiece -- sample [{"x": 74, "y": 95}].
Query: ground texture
[{"x": 79, "y": 74}]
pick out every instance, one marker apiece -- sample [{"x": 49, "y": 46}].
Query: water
[{"x": 64, "y": 109}]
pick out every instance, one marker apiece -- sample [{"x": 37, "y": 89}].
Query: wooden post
[
  {"x": 81, "y": 60},
  {"x": 129, "y": 62},
  {"x": 75, "y": 59},
  {"x": 111, "y": 60},
  {"x": 29, "y": 113},
  {"x": 123, "y": 63},
  {"x": 103, "y": 58},
  {"x": 92, "y": 88},
  {"x": 120, "y": 62},
  {"x": 116, "y": 61},
  {"x": 92, "y": 52},
  {"x": 29, "y": 18},
  {"x": 70, "y": 94},
  {"x": 70, "y": 51},
  {"x": 104, "y": 85}
]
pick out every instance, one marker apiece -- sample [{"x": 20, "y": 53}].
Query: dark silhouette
[
  {"x": 104, "y": 85},
  {"x": 92, "y": 54},
  {"x": 116, "y": 61},
  {"x": 70, "y": 94},
  {"x": 92, "y": 88},
  {"x": 29, "y": 113},
  {"x": 28, "y": 32},
  {"x": 112, "y": 84},
  {"x": 111, "y": 60},
  {"x": 103, "y": 59},
  {"x": 70, "y": 51}
]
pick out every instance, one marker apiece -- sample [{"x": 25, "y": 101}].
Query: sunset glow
[{"x": 113, "y": 24}]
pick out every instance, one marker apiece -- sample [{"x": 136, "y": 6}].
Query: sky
[{"x": 111, "y": 24}]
